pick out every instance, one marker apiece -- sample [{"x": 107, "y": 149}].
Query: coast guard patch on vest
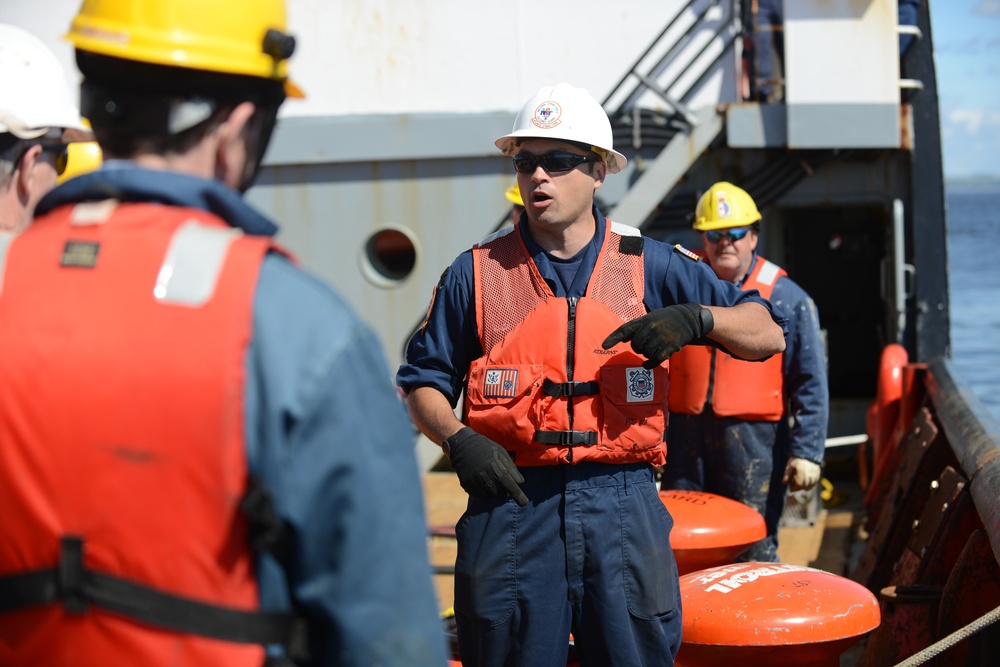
[
  {"x": 500, "y": 383},
  {"x": 640, "y": 384}
]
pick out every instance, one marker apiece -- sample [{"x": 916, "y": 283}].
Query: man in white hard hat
[
  {"x": 749, "y": 431},
  {"x": 558, "y": 330},
  {"x": 36, "y": 109}
]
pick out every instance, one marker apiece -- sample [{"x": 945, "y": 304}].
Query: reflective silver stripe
[
  {"x": 5, "y": 239},
  {"x": 193, "y": 263},
  {"x": 768, "y": 273},
  {"x": 503, "y": 231},
  {"x": 624, "y": 230},
  {"x": 92, "y": 212}
]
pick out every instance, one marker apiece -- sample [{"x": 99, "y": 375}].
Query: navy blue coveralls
[{"x": 590, "y": 553}]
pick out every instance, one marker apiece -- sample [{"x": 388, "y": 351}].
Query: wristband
[{"x": 706, "y": 320}]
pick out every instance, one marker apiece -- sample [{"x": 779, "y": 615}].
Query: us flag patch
[{"x": 500, "y": 383}]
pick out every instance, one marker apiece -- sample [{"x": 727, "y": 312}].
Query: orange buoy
[
  {"x": 709, "y": 529},
  {"x": 771, "y": 614},
  {"x": 882, "y": 415}
]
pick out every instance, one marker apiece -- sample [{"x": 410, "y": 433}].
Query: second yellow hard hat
[{"x": 725, "y": 205}]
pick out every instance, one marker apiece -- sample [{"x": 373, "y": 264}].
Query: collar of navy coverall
[
  {"x": 587, "y": 255},
  {"x": 534, "y": 249},
  {"x": 126, "y": 182}
]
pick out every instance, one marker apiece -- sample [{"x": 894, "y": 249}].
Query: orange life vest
[
  {"x": 751, "y": 390},
  {"x": 607, "y": 407},
  {"x": 124, "y": 331}
]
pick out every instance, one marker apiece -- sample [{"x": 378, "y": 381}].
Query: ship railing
[
  {"x": 910, "y": 84},
  {"x": 974, "y": 436}
]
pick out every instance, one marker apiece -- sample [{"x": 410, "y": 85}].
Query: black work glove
[
  {"x": 658, "y": 334},
  {"x": 484, "y": 468}
]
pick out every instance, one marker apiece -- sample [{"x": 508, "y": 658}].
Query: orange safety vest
[
  {"x": 751, "y": 390},
  {"x": 124, "y": 330},
  {"x": 606, "y": 407}
]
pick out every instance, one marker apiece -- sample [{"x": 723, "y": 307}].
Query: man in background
[
  {"x": 36, "y": 110},
  {"x": 746, "y": 430}
]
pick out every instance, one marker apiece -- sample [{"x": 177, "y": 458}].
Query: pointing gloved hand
[
  {"x": 485, "y": 469},
  {"x": 801, "y": 474},
  {"x": 658, "y": 334}
]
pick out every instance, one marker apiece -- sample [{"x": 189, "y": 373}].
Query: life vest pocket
[
  {"x": 632, "y": 409},
  {"x": 502, "y": 401}
]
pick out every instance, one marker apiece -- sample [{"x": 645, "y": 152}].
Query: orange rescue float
[
  {"x": 709, "y": 529},
  {"x": 771, "y": 614}
]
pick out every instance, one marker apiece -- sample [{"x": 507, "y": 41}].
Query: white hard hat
[
  {"x": 36, "y": 95},
  {"x": 568, "y": 113}
]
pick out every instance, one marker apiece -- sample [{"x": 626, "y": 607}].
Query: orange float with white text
[{"x": 772, "y": 614}]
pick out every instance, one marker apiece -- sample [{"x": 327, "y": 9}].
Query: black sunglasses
[
  {"x": 60, "y": 151},
  {"x": 552, "y": 162},
  {"x": 734, "y": 234}
]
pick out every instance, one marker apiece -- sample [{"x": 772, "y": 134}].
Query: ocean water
[{"x": 974, "y": 284}]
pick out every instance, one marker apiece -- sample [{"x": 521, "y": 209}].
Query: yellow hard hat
[
  {"x": 81, "y": 157},
  {"x": 725, "y": 205},
  {"x": 513, "y": 194},
  {"x": 245, "y": 37}
]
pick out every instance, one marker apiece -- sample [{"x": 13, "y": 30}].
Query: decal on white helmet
[{"x": 547, "y": 115}]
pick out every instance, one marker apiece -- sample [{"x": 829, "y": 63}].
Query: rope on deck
[{"x": 943, "y": 645}]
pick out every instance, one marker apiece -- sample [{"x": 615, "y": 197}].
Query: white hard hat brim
[
  {"x": 37, "y": 96},
  {"x": 72, "y": 124}
]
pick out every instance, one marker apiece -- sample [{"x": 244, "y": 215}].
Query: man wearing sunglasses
[
  {"x": 37, "y": 117},
  {"x": 558, "y": 329},
  {"x": 729, "y": 419}
]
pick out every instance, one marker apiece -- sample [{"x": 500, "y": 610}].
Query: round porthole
[{"x": 389, "y": 256}]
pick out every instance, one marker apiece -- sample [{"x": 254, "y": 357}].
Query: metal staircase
[{"x": 670, "y": 73}]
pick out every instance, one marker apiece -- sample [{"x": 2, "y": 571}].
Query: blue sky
[{"x": 967, "y": 54}]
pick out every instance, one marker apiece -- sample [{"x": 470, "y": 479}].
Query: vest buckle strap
[
  {"x": 566, "y": 438},
  {"x": 70, "y": 575},
  {"x": 560, "y": 389},
  {"x": 77, "y": 588}
]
